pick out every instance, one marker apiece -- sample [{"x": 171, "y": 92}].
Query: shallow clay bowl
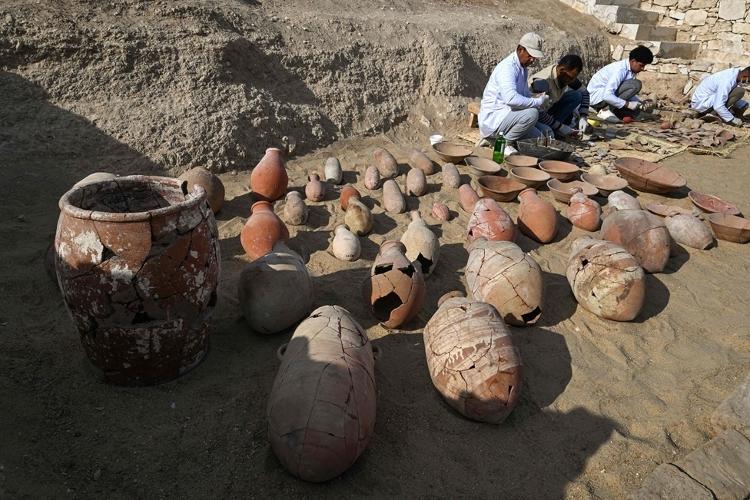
[
  {"x": 451, "y": 152},
  {"x": 649, "y": 177},
  {"x": 521, "y": 161},
  {"x": 605, "y": 183},
  {"x": 532, "y": 177},
  {"x": 500, "y": 188},
  {"x": 730, "y": 227},
  {"x": 482, "y": 166},
  {"x": 712, "y": 204},
  {"x": 563, "y": 191},
  {"x": 667, "y": 210},
  {"x": 561, "y": 170}
]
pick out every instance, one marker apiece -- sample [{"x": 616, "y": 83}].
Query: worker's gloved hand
[
  {"x": 634, "y": 105},
  {"x": 737, "y": 122},
  {"x": 565, "y": 131},
  {"x": 542, "y": 101},
  {"x": 583, "y": 124}
]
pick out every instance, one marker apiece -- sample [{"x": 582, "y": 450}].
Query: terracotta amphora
[
  {"x": 209, "y": 182},
  {"x": 385, "y": 163},
  {"x": 315, "y": 189},
  {"x": 262, "y": 230},
  {"x": 490, "y": 221},
  {"x": 642, "y": 234},
  {"x": 537, "y": 218},
  {"x": 418, "y": 159},
  {"x": 416, "y": 183},
  {"x": 583, "y": 212},
  {"x": 451, "y": 177},
  {"x": 269, "y": 180},
  {"x": 372, "y": 178},
  {"x": 421, "y": 244},
  {"x": 295, "y": 210},
  {"x": 467, "y": 197},
  {"x": 689, "y": 230},
  {"x": 347, "y": 192},
  {"x": 393, "y": 199}
]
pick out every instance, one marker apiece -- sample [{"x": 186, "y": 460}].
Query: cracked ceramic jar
[
  {"x": 642, "y": 234},
  {"x": 472, "y": 360},
  {"x": 489, "y": 220},
  {"x": 421, "y": 244},
  {"x": 583, "y": 212},
  {"x": 210, "y": 183},
  {"x": 269, "y": 179},
  {"x": 138, "y": 265},
  {"x": 689, "y": 230}
]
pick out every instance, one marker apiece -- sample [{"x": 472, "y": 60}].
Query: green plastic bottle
[{"x": 498, "y": 154}]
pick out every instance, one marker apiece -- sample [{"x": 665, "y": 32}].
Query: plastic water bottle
[{"x": 498, "y": 153}]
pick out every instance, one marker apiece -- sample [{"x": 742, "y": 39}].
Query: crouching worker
[
  {"x": 507, "y": 106},
  {"x": 614, "y": 88},
  {"x": 568, "y": 97},
  {"x": 722, "y": 94}
]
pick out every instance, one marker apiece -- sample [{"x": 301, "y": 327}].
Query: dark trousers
[{"x": 626, "y": 91}]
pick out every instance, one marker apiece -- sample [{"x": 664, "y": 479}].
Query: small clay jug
[
  {"x": 421, "y": 244},
  {"x": 467, "y": 197},
  {"x": 620, "y": 200},
  {"x": 440, "y": 211},
  {"x": 332, "y": 171},
  {"x": 490, "y": 221},
  {"x": 372, "y": 178},
  {"x": 358, "y": 217},
  {"x": 419, "y": 160},
  {"x": 269, "y": 179},
  {"x": 295, "y": 210},
  {"x": 393, "y": 200},
  {"x": 584, "y": 212},
  {"x": 315, "y": 190},
  {"x": 416, "y": 183},
  {"x": 262, "y": 230},
  {"x": 345, "y": 245},
  {"x": 689, "y": 230},
  {"x": 537, "y": 218},
  {"x": 213, "y": 186},
  {"x": 451, "y": 177},
  {"x": 385, "y": 163},
  {"x": 347, "y": 192}
]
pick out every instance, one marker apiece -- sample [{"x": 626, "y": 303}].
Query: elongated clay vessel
[
  {"x": 451, "y": 177},
  {"x": 209, "y": 182},
  {"x": 620, "y": 200},
  {"x": 501, "y": 274},
  {"x": 269, "y": 180},
  {"x": 416, "y": 183},
  {"x": 642, "y": 234},
  {"x": 419, "y": 160},
  {"x": 472, "y": 359},
  {"x": 467, "y": 197},
  {"x": 345, "y": 245},
  {"x": 103, "y": 176},
  {"x": 262, "y": 230},
  {"x": 490, "y": 221},
  {"x": 537, "y": 218},
  {"x": 332, "y": 171},
  {"x": 393, "y": 199},
  {"x": 583, "y": 212},
  {"x": 440, "y": 211},
  {"x": 372, "y": 178},
  {"x": 295, "y": 210},
  {"x": 421, "y": 244},
  {"x": 689, "y": 230},
  {"x": 315, "y": 189},
  {"x": 347, "y": 192},
  {"x": 385, "y": 163},
  {"x": 358, "y": 217}
]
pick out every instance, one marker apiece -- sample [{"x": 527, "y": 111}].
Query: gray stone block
[
  {"x": 668, "y": 482},
  {"x": 733, "y": 412}
]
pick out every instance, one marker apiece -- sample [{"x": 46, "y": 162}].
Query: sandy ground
[{"x": 603, "y": 403}]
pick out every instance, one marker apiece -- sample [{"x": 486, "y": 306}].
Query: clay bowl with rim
[
  {"x": 563, "y": 191},
  {"x": 649, "y": 177},
  {"x": 532, "y": 177},
  {"x": 712, "y": 204},
  {"x": 606, "y": 184},
  {"x": 561, "y": 170},
  {"x": 521, "y": 161},
  {"x": 451, "y": 152},
  {"x": 499, "y": 188},
  {"x": 730, "y": 227},
  {"x": 482, "y": 166},
  {"x": 663, "y": 210}
]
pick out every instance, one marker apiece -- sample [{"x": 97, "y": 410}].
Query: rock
[
  {"x": 696, "y": 17},
  {"x": 731, "y": 10},
  {"x": 667, "y": 481},
  {"x": 733, "y": 412}
]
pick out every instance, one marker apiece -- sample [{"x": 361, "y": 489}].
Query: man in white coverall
[
  {"x": 722, "y": 94},
  {"x": 507, "y": 106}
]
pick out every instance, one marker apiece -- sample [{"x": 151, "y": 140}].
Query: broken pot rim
[{"x": 192, "y": 199}]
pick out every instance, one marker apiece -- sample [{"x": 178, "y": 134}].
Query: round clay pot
[
  {"x": 451, "y": 177},
  {"x": 490, "y": 221},
  {"x": 345, "y": 245},
  {"x": 583, "y": 212},
  {"x": 472, "y": 360},
  {"x": 419, "y": 160},
  {"x": 295, "y": 210},
  {"x": 537, "y": 218},
  {"x": 137, "y": 260},
  {"x": 620, "y": 200},
  {"x": 385, "y": 163},
  {"x": 395, "y": 289},
  {"x": 209, "y": 182},
  {"x": 269, "y": 179},
  {"x": 262, "y": 230},
  {"x": 642, "y": 234},
  {"x": 689, "y": 230},
  {"x": 98, "y": 177},
  {"x": 315, "y": 190},
  {"x": 421, "y": 244},
  {"x": 372, "y": 178},
  {"x": 467, "y": 197},
  {"x": 393, "y": 200},
  {"x": 358, "y": 217},
  {"x": 332, "y": 171},
  {"x": 606, "y": 280},
  {"x": 440, "y": 211},
  {"x": 501, "y": 274},
  {"x": 416, "y": 182},
  {"x": 347, "y": 192},
  {"x": 275, "y": 291}
]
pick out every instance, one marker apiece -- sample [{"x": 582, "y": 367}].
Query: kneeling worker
[
  {"x": 615, "y": 86},
  {"x": 507, "y": 106},
  {"x": 566, "y": 95},
  {"x": 722, "y": 94}
]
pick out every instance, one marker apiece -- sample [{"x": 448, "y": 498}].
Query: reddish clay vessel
[
  {"x": 419, "y": 160},
  {"x": 416, "y": 182},
  {"x": 348, "y": 192},
  {"x": 537, "y": 218},
  {"x": 642, "y": 234},
  {"x": 393, "y": 199},
  {"x": 467, "y": 197},
  {"x": 385, "y": 163},
  {"x": 209, "y": 182},
  {"x": 689, "y": 230},
  {"x": 440, "y": 211},
  {"x": 490, "y": 221},
  {"x": 372, "y": 178},
  {"x": 137, "y": 260},
  {"x": 451, "y": 177},
  {"x": 315, "y": 190},
  {"x": 269, "y": 179},
  {"x": 584, "y": 212},
  {"x": 262, "y": 230}
]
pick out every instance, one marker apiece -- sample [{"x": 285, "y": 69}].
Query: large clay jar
[
  {"x": 315, "y": 190},
  {"x": 209, "y": 182},
  {"x": 321, "y": 412},
  {"x": 419, "y": 160},
  {"x": 472, "y": 360},
  {"x": 295, "y": 210},
  {"x": 137, "y": 260},
  {"x": 345, "y": 245},
  {"x": 583, "y": 212},
  {"x": 393, "y": 199},
  {"x": 358, "y": 217},
  {"x": 606, "y": 280},
  {"x": 421, "y": 244},
  {"x": 440, "y": 211},
  {"x": 262, "y": 230},
  {"x": 269, "y": 179},
  {"x": 451, "y": 177},
  {"x": 98, "y": 177},
  {"x": 488, "y": 220},
  {"x": 347, "y": 192},
  {"x": 620, "y": 200},
  {"x": 275, "y": 291},
  {"x": 416, "y": 183},
  {"x": 642, "y": 234},
  {"x": 332, "y": 171},
  {"x": 501, "y": 274},
  {"x": 395, "y": 289},
  {"x": 372, "y": 178},
  {"x": 537, "y": 218},
  {"x": 385, "y": 163},
  {"x": 467, "y": 197},
  {"x": 689, "y": 230}
]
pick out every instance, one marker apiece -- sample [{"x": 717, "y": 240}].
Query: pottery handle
[{"x": 281, "y": 351}]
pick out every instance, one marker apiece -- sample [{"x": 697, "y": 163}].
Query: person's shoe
[
  {"x": 608, "y": 116},
  {"x": 510, "y": 150}
]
